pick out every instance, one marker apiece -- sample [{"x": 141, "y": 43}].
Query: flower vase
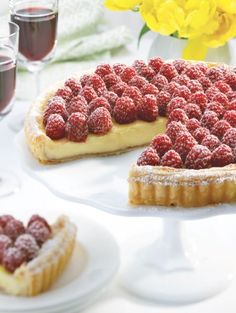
[{"x": 169, "y": 47}]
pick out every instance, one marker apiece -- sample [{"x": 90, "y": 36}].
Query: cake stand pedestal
[{"x": 178, "y": 267}]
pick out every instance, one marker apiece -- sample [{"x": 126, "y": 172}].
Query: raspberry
[
  {"x": 27, "y": 245},
  {"x": 174, "y": 129},
  {"x": 168, "y": 70},
  {"x": 156, "y": 63},
  {"x": 149, "y": 89},
  {"x": 159, "y": 81},
  {"x": 163, "y": 99},
  {"x": 55, "y": 108},
  {"x": 119, "y": 88},
  {"x": 103, "y": 70},
  {"x": 211, "y": 142},
  {"x": 183, "y": 92},
  {"x": 205, "y": 82},
  {"x": 118, "y": 68},
  {"x": 200, "y": 133},
  {"x": 221, "y": 98},
  {"x": 184, "y": 143},
  {"x": 56, "y": 99},
  {"x": 39, "y": 231},
  {"x": 76, "y": 127},
  {"x": 161, "y": 143},
  {"x": 180, "y": 65},
  {"x": 230, "y": 79},
  {"x": 96, "y": 82},
  {"x": 133, "y": 93},
  {"x": 5, "y": 242},
  {"x": 12, "y": 259},
  {"x": 232, "y": 106},
  {"x": 192, "y": 125},
  {"x": 84, "y": 79},
  {"x": 216, "y": 107},
  {"x": 77, "y": 104},
  {"x": 222, "y": 156},
  {"x": 4, "y": 219},
  {"x": 194, "y": 86},
  {"x": 138, "y": 81},
  {"x": 111, "y": 97},
  {"x": 214, "y": 74},
  {"x": 127, "y": 74},
  {"x": 172, "y": 159},
  {"x": 147, "y": 72},
  {"x": 65, "y": 92},
  {"x": 193, "y": 72},
  {"x": 111, "y": 79},
  {"x": 88, "y": 93},
  {"x": 175, "y": 103},
  {"x": 147, "y": 109},
  {"x": 13, "y": 229},
  {"x": 100, "y": 121},
  {"x": 97, "y": 103},
  {"x": 230, "y": 117},
  {"x": 178, "y": 115},
  {"x": 211, "y": 92},
  {"x": 202, "y": 67},
  {"x": 55, "y": 128},
  {"x": 220, "y": 128},
  {"x": 230, "y": 138},
  {"x": 39, "y": 218},
  {"x": 171, "y": 87},
  {"x": 200, "y": 99},
  {"x": 209, "y": 119},
  {"x": 139, "y": 65},
  {"x": 124, "y": 110},
  {"x": 149, "y": 157},
  {"x": 181, "y": 80},
  {"x": 223, "y": 87},
  {"x": 193, "y": 111},
  {"x": 74, "y": 85},
  {"x": 198, "y": 157}
]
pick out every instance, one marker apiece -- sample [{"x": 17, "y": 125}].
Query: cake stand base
[{"x": 177, "y": 270}]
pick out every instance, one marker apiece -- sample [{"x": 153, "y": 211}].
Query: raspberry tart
[
  {"x": 184, "y": 111},
  {"x": 32, "y": 257}
]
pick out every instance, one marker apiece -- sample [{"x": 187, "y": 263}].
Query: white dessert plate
[
  {"x": 102, "y": 182},
  {"x": 94, "y": 263}
]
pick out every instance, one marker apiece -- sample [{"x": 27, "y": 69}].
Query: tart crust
[
  {"x": 166, "y": 186},
  {"x": 39, "y": 274}
]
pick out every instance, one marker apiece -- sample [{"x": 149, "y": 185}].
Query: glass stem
[{"x": 37, "y": 82}]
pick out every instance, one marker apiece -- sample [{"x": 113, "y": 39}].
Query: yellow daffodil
[
  {"x": 165, "y": 17},
  {"x": 204, "y": 23},
  {"x": 120, "y": 5}
]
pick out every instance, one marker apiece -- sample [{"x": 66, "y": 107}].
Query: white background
[{"x": 33, "y": 195}]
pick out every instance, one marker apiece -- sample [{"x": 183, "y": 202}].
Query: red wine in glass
[
  {"x": 38, "y": 28},
  {"x": 7, "y": 81}
]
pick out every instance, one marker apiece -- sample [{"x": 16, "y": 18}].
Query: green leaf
[{"x": 143, "y": 31}]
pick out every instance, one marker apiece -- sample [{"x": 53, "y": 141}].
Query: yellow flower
[
  {"x": 120, "y": 5},
  {"x": 165, "y": 17},
  {"x": 228, "y": 6}
]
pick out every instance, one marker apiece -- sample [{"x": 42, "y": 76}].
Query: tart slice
[{"x": 33, "y": 257}]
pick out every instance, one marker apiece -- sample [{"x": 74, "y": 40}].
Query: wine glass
[
  {"x": 9, "y": 38},
  {"x": 38, "y": 33}
]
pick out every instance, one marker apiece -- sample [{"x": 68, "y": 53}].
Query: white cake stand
[{"x": 173, "y": 268}]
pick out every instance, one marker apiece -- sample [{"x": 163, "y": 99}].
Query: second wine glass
[{"x": 38, "y": 33}]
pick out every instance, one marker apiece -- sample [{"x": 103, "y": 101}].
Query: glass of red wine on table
[
  {"x": 37, "y": 21},
  {"x": 9, "y": 36}
]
